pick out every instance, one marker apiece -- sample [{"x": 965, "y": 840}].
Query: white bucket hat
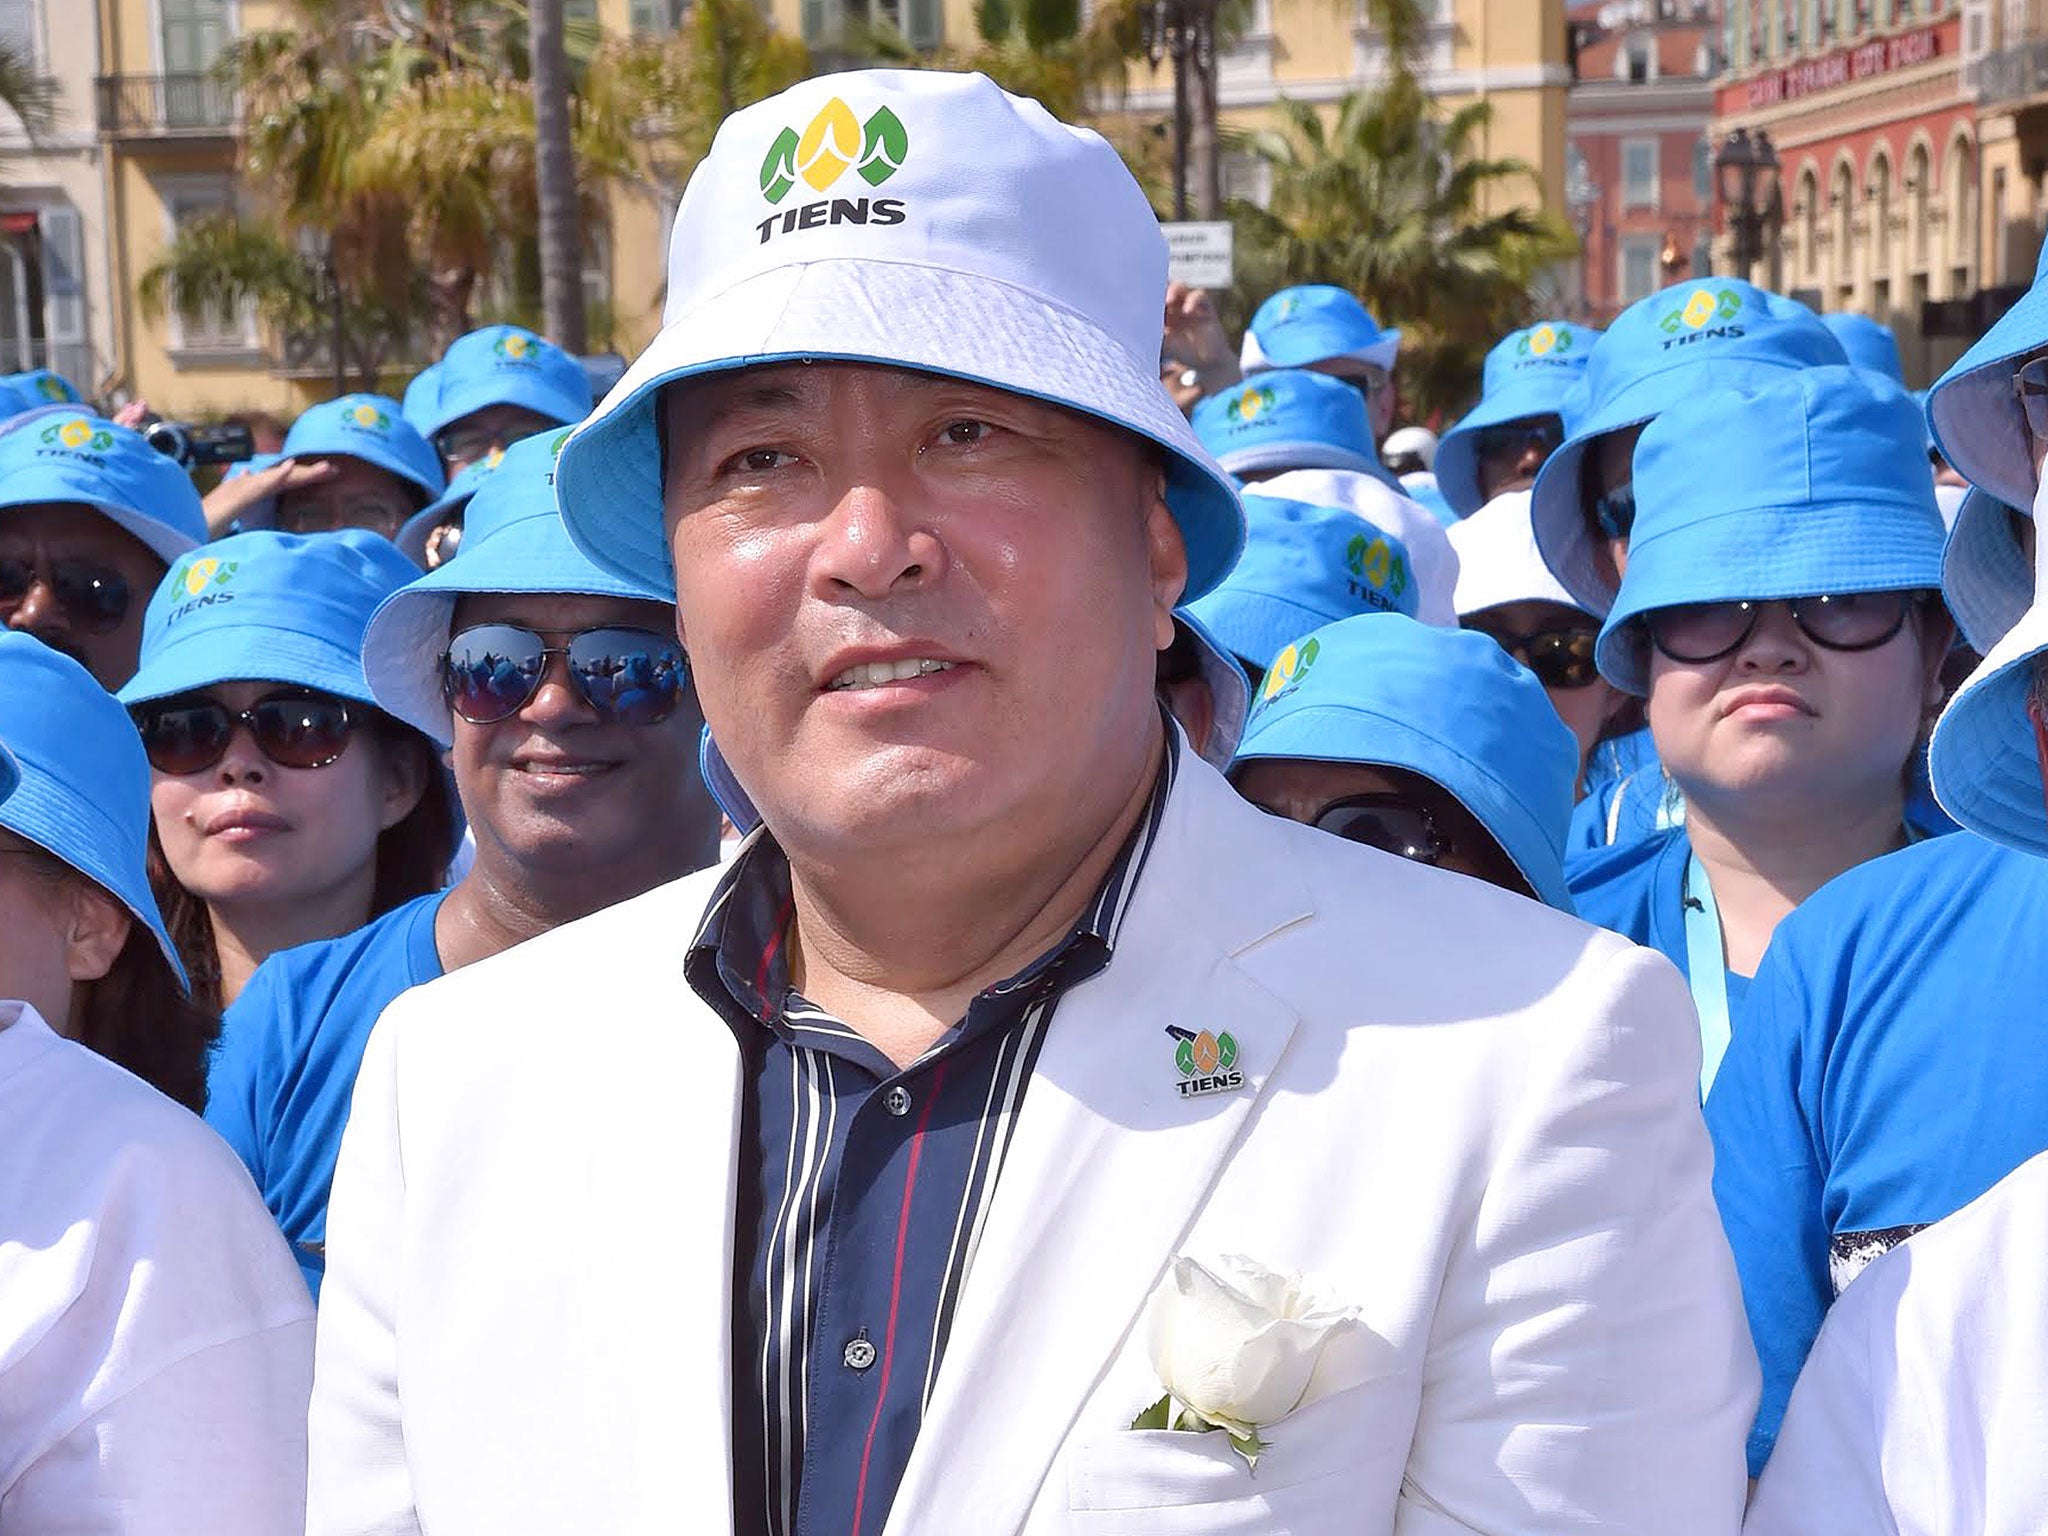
[
  {"x": 1430, "y": 555},
  {"x": 916, "y": 218},
  {"x": 1983, "y": 759},
  {"x": 1498, "y": 561}
]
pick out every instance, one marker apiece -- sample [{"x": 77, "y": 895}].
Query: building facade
[
  {"x": 1870, "y": 106},
  {"x": 1639, "y": 174}
]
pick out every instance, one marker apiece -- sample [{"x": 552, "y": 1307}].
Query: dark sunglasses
[
  {"x": 1392, "y": 823},
  {"x": 1614, "y": 512},
  {"x": 1850, "y": 621},
  {"x": 189, "y": 733},
  {"x": 2031, "y": 385},
  {"x": 1511, "y": 440},
  {"x": 1560, "y": 658},
  {"x": 94, "y": 597},
  {"x": 492, "y": 671}
]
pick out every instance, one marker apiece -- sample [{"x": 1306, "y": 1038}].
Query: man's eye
[
  {"x": 758, "y": 461},
  {"x": 966, "y": 433}
]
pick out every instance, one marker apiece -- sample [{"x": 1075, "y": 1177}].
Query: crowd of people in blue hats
[{"x": 1701, "y": 629}]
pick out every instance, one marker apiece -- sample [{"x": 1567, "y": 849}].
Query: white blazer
[{"x": 1471, "y": 1117}]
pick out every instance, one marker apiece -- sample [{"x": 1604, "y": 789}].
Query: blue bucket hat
[
  {"x": 1528, "y": 375},
  {"x": 1303, "y": 566},
  {"x": 268, "y": 607},
  {"x": 412, "y": 537},
  {"x": 512, "y": 541},
  {"x": 1705, "y": 334},
  {"x": 64, "y": 453},
  {"x": 1316, "y": 323},
  {"x": 372, "y": 428},
  {"x": 499, "y": 365},
  {"x": 1977, "y": 420},
  {"x": 1983, "y": 759},
  {"x": 13, "y": 402},
  {"x": 1868, "y": 343},
  {"x": 1287, "y": 418},
  {"x": 83, "y": 793},
  {"x": 42, "y": 386},
  {"x": 1984, "y": 571},
  {"x": 1448, "y": 704},
  {"x": 255, "y": 464},
  {"x": 1812, "y": 482}
]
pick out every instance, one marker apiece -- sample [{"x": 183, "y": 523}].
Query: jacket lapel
[{"x": 1115, "y": 1152}]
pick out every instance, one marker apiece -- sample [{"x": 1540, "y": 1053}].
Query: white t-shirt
[
  {"x": 1923, "y": 1409},
  {"x": 156, "y": 1339}
]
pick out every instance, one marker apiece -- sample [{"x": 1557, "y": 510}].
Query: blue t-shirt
[
  {"x": 280, "y": 1079},
  {"x": 1889, "y": 1069}
]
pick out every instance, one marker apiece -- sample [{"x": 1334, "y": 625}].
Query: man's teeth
[{"x": 873, "y": 674}]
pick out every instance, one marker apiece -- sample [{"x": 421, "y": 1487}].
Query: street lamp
[
  {"x": 1582, "y": 196},
  {"x": 1747, "y": 172}
]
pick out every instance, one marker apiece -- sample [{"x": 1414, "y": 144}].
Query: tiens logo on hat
[
  {"x": 199, "y": 581},
  {"x": 78, "y": 434},
  {"x": 52, "y": 388},
  {"x": 1380, "y": 575},
  {"x": 1250, "y": 404},
  {"x": 1544, "y": 340},
  {"x": 517, "y": 347},
  {"x": 1688, "y": 322},
  {"x": 834, "y": 142},
  {"x": 367, "y": 418},
  {"x": 1288, "y": 670}
]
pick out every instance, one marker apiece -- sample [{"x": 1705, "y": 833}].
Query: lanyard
[{"x": 1706, "y": 964}]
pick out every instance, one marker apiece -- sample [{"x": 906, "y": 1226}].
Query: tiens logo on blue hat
[
  {"x": 366, "y": 415},
  {"x": 518, "y": 347},
  {"x": 1542, "y": 340},
  {"x": 76, "y": 435},
  {"x": 200, "y": 581},
  {"x": 831, "y": 144},
  {"x": 1381, "y": 576},
  {"x": 1705, "y": 315},
  {"x": 1289, "y": 671}
]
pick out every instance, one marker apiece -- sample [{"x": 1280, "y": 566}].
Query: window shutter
[{"x": 923, "y": 25}]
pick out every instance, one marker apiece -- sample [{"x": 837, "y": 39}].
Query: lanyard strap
[{"x": 1706, "y": 965}]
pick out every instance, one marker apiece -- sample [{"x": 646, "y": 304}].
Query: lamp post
[
  {"x": 1582, "y": 196},
  {"x": 1746, "y": 171}
]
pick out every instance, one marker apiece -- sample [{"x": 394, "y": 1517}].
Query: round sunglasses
[
  {"x": 1696, "y": 633},
  {"x": 1509, "y": 441},
  {"x": 1561, "y": 657},
  {"x": 1392, "y": 823},
  {"x": 94, "y": 597},
  {"x": 492, "y": 671},
  {"x": 189, "y": 733}
]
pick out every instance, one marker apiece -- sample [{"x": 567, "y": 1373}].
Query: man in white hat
[{"x": 946, "y": 1164}]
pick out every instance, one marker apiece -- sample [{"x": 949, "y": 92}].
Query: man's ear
[
  {"x": 95, "y": 928},
  {"x": 1168, "y": 554}
]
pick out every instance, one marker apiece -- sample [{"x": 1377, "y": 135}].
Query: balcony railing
[
  {"x": 165, "y": 106},
  {"x": 2012, "y": 74}
]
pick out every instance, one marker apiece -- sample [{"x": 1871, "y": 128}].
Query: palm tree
[
  {"x": 26, "y": 92},
  {"x": 561, "y": 214},
  {"x": 1394, "y": 201}
]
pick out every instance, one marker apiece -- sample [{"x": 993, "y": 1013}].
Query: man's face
[
  {"x": 1610, "y": 466},
  {"x": 79, "y": 583},
  {"x": 469, "y": 438},
  {"x": 356, "y": 495},
  {"x": 557, "y": 787},
  {"x": 1370, "y": 380},
  {"x": 917, "y": 606}
]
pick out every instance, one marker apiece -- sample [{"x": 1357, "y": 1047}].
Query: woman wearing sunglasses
[
  {"x": 287, "y": 806},
  {"x": 1506, "y": 592},
  {"x": 156, "y": 1345},
  {"x": 1429, "y": 744},
  {"x": 573, "y": 733},
  {"x": 1780, "y": 615}
]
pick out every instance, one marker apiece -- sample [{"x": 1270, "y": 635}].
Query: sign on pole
[{"x": 1200, "y": 254}]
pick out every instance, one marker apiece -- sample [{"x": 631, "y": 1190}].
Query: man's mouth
[{"x": 874, "y": 674}]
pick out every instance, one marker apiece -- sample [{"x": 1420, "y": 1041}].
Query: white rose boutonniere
[{"x": 1236, "y": 1348}]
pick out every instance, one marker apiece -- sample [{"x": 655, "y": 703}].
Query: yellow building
[{"x": 167, "y": 136}]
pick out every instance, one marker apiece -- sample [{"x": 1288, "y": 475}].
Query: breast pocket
[{"x": 1334, "y": 1465}]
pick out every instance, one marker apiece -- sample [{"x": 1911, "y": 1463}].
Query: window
[
  {"x": 213, "y": 331},
  {"x": 1638, "y": 173},
  {"x": 656, "y": 18},
  {"x": 19, "y": 28},
  {"x": 1638, "y": 278},
  {"x": 1703, "y": 171},
  {"x": 1635, "y": 61},
  {"x": 194, "y": 34}
]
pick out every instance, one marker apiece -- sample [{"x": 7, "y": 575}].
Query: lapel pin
[{"x": 1207, "y": 1062}]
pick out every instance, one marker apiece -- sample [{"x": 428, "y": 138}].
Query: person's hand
[
  {"x": 134, "y": 415},
  {"x": 1196, "y": 357},
  {"x": 231, "y": 498}
]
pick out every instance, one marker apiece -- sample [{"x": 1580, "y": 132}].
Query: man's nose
[
  {"x": 876, "y": 544},
  {"x": 38, "y": 608}
]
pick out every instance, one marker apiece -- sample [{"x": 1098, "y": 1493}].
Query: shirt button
[
  {"x": 897, "y": 1101},
  {"x": 860, "y": 1354}
]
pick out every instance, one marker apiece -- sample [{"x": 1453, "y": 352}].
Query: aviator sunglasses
[
  {"x": 1695, "y": 633},
  {"x": 94, "y": 597},
  {"x": 492, "y": 671},
  {"x": 189, "y": 733}
]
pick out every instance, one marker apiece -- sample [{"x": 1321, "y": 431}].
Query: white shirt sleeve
[{"x": 212, "y": 1443}]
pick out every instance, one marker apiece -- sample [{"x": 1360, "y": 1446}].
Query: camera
[{"x": 194, "y": 445}]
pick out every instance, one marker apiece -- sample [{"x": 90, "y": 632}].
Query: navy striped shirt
[{"x": 862, "y": 1192}]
